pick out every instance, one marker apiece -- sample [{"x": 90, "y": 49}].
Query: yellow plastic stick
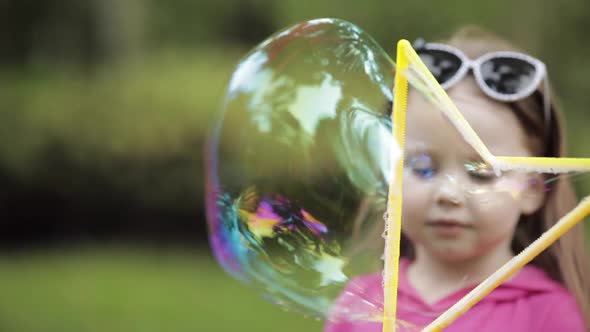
[
  {"x": 543, "y": 164},
  {"x": 394, "y": 204},
  {"x": 512, "y": 266}
]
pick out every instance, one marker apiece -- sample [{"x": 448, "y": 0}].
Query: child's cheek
[
  {"x": 499, "y": 200},
  {"x": 512, "y": 185},
  {"x": 414, "y": 195},
  {"x": 414, "y": 204}
]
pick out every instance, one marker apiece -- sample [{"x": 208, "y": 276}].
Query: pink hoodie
[{"x": 530, "y": 301}]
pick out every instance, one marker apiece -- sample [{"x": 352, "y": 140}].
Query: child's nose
[{"x": 449, "y": 191}]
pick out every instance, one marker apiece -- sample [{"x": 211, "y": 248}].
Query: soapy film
[{"x": 298, "y": 167}]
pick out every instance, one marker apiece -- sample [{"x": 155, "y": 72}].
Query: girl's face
[{"x": 454, "y": 206}]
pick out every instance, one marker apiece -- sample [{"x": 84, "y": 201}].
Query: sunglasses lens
[
  {"x": 443, "y": 65},
  {"x": 508, "y": 75}
]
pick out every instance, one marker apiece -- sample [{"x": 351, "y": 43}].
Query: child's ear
[{"x": 533, "y": 195}]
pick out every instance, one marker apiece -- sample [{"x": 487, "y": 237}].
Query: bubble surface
[{"x": 299, "y": 164}]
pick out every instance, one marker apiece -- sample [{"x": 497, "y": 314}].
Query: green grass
[{"x": 123, "y": 290}]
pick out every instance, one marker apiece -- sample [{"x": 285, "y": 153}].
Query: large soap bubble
[{"x": 299, "y": 164}]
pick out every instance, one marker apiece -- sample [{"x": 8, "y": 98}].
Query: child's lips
[
  {"x": 448, "y": 227},
  {"x": 448, "y": 222}
]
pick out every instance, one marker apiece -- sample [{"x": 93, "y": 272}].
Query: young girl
[{"x": 461, "y": 222}]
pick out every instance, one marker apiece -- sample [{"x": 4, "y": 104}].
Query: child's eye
[
  {"x": 422, "y": 165},
  {"x": 480, "y": 170}
]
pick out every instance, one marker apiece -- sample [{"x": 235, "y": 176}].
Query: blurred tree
[
  {"x": 68, "y": 31},
  {"x": 249, "y": 22}
]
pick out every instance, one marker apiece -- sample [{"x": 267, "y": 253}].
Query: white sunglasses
[{"x": 505, "y": 76}]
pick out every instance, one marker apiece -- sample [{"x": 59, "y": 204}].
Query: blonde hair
[{"x": 567, "y": 260}]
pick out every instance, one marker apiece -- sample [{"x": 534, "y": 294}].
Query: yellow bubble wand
[
  {"x": 394, "y": 203},
  {"x": 411, "y": 68}
]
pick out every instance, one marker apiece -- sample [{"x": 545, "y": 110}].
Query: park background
[{"x": 104, "y": 109}]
